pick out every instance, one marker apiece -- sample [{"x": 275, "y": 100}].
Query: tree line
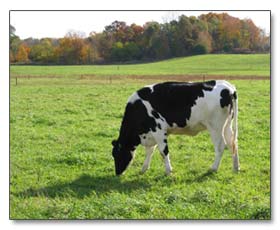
[{"x": 119, "y": 42}]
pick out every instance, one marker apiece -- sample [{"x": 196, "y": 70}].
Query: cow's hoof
[
  {"x": 143, "y": 171},
  {"x": 236, "y": 169},
  {"x": 168, "y": 172},
  {"x": 213, "y": 169}
]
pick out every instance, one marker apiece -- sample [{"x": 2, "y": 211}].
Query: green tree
[
  {"x": 14, "y": 44},
  {"x": 44, "y": 52},
  {"x": 117, "y": 52}
]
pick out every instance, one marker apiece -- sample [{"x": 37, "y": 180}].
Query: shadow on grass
[
  {"x": 88, "y": 184},
  {"x": 85, "y": 185},
  {"x": 203, "y": 177}
]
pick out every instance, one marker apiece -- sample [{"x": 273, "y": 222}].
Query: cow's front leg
[
  {"x": 149, "y": 153},
  {"x": 163, "y": 149}
]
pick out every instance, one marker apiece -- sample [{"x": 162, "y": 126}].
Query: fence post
[{"x": 16, "y": 81}]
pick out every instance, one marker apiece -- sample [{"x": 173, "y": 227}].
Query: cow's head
[{"x": 122, "y": 156}]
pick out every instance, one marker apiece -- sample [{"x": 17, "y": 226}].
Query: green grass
[
  {"x": 62, "y": 168},
  {"x": 226, "y": 64}
]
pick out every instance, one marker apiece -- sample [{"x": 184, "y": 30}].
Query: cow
[{"x": 155, "y": 111}]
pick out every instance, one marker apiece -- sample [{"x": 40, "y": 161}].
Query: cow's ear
[{"x": 114, "y": 142}]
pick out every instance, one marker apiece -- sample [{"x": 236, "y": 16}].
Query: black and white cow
[{"x": 155, "y": 111}]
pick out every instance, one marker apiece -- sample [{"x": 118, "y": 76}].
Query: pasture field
[
  {"x": 212, "y": 64},
  {"x": 61, "y": 165}
]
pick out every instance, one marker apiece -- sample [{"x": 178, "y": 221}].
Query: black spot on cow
[
  {"x": 226, "y": 98},
  {"x": 144, "y": 93},
  {"x": 234, "y": 95},
  {"x": 208, "y": 85},
  {"x": 165, "y": 141},
  {"x": 165, "y": 151},
  {"x": 159, "y": 126},
  {"x": 155, "y": 114},
  {"x": 174, "y": 100}
]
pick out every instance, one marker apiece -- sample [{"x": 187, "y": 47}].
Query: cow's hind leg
[
  {"x": 230, "y": 142},
  {"x": 149, "y": 153},
  {"x": 219, "y": 145}
]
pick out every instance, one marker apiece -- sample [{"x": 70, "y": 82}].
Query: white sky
[{"x": 56, "y": 24}]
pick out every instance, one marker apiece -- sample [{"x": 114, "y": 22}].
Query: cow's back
[{"x": 174, "y": 100}]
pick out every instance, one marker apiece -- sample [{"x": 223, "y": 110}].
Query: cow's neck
[{"x": 128, "y": 137}]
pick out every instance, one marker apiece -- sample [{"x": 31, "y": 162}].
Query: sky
[{"x": 56, "y": 24}]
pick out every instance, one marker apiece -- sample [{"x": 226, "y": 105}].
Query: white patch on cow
[
  {"x": 134, "y": 97},
  {"x": 174, "y": 125},
  {"x": 148, "y": 107},
  {"x": 151, "y": 87},
  {"x": 207, "y": 110},
  {"x": 149, "y": 153},
  {"x": 147, "y": 139},
  {"x": 222, "y": 84}
]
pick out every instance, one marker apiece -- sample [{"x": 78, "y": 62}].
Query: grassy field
[
  {"x": 62, "y": 168},
  {"x": 227, "y": 64}
]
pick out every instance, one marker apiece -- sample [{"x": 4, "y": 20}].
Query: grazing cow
[{"x": 155, "y": 111}]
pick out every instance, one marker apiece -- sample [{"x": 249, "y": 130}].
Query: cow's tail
[
  {"x": 230, "y": 137},
  {"x": 234, "y": 143},
  {"x": 235, "y": 123}
]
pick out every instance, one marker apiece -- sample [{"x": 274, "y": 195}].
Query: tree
[
  {"x": 102, "y": 44},
  {"x": 14, "y": 44},
  {"x": 132, "y": 50},
  {"x": 72, "y": 49},
  {"x": 118, "y": 31},
  {"x": 137, "y": 32},
  {"x": 22, "y": 54},
  {"x": 199, "y": 49},
  {"x": 125, "y": 52},
  {"x": 117, "y": 52},
  {"x": 204, "y": 39},
  {"x": 254, "y": 34},
  {"x": 43, "y": 52},
  {"x": 185, "y": 28},
  {"x": 150, "y": 39}
]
